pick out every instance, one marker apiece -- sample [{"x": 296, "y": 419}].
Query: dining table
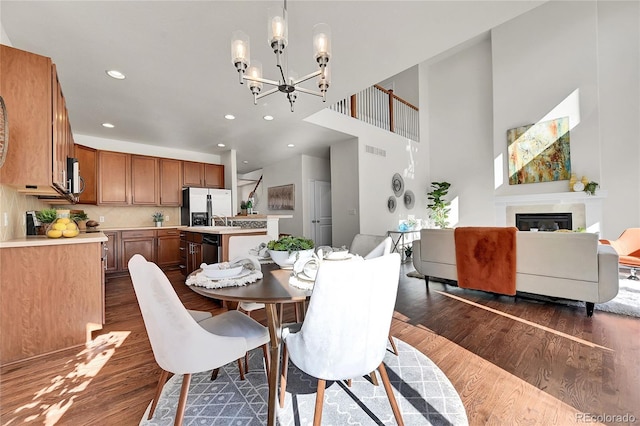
[{"x": 272, "y": 290}]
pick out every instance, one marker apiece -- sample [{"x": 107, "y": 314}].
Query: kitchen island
[{"x": 51, "y": 294}]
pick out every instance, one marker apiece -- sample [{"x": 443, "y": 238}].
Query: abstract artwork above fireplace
[{"x": 539, "y": 152}]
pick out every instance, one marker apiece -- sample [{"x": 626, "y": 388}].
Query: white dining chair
[
  {"x": 369, "y": 247},
  {"x": 181, "y": 345},
  {"x": 363, "y": 244},
  {"x": 340, "y": 339}
]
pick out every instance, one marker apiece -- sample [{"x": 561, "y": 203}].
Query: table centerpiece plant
[{"x": 287, "y": 249}]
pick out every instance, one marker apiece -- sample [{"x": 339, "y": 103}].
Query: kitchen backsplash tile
[
  {"x": 13, "y": 207},
  {"x": 115, "y": 217}
]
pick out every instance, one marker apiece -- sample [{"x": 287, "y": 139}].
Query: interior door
[{"x": 321, "y": 223}]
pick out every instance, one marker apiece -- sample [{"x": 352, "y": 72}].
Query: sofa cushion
[{"x": 567, "y": 255}]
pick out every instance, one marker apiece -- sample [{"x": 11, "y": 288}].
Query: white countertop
[
  {"x": 43, "y": 240},
  {"x": 222, "y": 229}
]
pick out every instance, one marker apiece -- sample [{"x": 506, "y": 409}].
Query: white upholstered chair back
[
  {"x": 362, "y": 244},
  {"x": 179, "y": 344},
  {"x": 340, "y": 339},
  {"x": 382, "y": 249}
]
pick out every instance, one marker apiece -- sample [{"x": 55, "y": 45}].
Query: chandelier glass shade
[{"x": 278, "y": 39}]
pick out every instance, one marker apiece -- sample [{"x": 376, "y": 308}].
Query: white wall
[
  {"x": 589, "y": 46},
  {"x": 374, "y": 175},
  {"x": 460, "y": 133},
  {"x": 284, "y": 172},
  {"x": 345, "y": 192}
]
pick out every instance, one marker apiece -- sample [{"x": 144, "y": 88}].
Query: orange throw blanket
[{"x": 486, "y": 258}]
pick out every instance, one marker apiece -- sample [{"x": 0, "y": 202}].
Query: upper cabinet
[
  {"x": 40, "y": 136},
  {"x": 114, "y": 178},
  {"x": 88, "y": 161},
  {"x": 203, "y": 175},
  {"x": 170, "y": 182},
  {"x": 144, "y": 180}
]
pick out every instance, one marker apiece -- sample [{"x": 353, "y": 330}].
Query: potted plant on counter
[
  {"x": 158, "y": 218},
  {"x": 81, "y": 218},
  {"x": 46, "y": 217},
  {"x": 243, "y": 208},
  {"x": 287, "y": 249}
]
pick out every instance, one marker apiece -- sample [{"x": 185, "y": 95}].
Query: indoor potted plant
[
  {"x": 46, "y": 217},
  {"x": 287, "y": 249},
  {"x": 438, "y": 206},
  {"x": 81, "y": 218},
  {"x": 243, "y": 208},
  {"x": 158, "y": 218},
  {"x": 590, "y": 188}
]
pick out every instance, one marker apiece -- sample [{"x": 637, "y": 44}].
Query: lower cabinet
[
  {"x": 194, "y": 254},
  {"x": 160, "y": 246}
]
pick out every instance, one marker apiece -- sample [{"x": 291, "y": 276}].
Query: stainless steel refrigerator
[{"x": 199, "y": 205}]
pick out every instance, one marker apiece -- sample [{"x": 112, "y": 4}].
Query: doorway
[{"x": 320, "y": 212}]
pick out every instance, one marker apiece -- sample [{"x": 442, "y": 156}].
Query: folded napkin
[
  {"x": 251, "y": 272},
  {"x": 260, "y": 251}
]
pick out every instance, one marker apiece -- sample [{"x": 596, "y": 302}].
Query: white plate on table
[
  {"x": 338, "y": 255},
  {"x": 242, "y": 274},
  {"x": 219, "y": 271}
]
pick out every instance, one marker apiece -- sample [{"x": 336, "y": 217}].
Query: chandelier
[{"x": 251, "y": 71}]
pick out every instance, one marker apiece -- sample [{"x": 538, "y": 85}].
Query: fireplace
[{"x": 543, "y": 221}]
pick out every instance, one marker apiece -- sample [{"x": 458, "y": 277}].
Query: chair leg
[
  {"x": 633, "y": 275},
  {"x": 283, "y": 374},
  {"x": 317, "y": 414},
  {"x": 156, "y": 397},
  {"x": 214, "y": 373},
  {"x": 246, "y": 362},
  {"x": 393, "y": 345},
  {"x": 267, "y": 359},
  {"x": 182, "y": 402},
  {"x": 240, "y": 369},
  {"x": 374, "y": 378},
  {"x": 349, "y": 382},
  {"x": 392, "y": 399}
]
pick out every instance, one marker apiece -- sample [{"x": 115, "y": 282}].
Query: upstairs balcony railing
[{"x": 382, "y": 108}]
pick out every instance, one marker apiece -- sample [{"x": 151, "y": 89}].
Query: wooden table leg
[{"x": 273, "y": 323}]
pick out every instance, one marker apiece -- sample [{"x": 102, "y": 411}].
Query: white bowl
[
  {"x": 218, "y": 271},
  {"x": 285, "y": 260}
]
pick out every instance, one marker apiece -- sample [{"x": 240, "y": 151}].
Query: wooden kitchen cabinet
[
  {"x": 114, "y": 178},
  {"x": 168, "y": 249},
  {"x": 88, "y": 162},
  {"x": 40, "y": 133},
  {"x": 52, "y": 298},
  {"x": 144, "y": 180},
  {"x": 170, "y": 182},
  {"x": 214, "y": 176},
  {"x": 203, "y": 174},
  {"x": 111, "y": 251},
  {"x": 142, "y": 242},
  {"x": 194, "y": 251}
]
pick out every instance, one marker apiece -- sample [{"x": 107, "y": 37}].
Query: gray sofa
[{"x": 564, "y": 265}]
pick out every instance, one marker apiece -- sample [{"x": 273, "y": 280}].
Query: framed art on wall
[
  {"x": 539, "y": 152},
  {"x": 281, "y": 197}
]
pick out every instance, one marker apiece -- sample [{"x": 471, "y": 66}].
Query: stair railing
[{"x": 382, "y": 108}]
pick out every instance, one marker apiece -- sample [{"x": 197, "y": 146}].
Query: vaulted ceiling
[{"x": 180, "y": 81}]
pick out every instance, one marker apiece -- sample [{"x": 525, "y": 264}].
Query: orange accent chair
[{"x": 628, "y": 247}]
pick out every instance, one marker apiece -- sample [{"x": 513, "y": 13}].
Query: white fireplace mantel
[{"x": 592, "y": 204}]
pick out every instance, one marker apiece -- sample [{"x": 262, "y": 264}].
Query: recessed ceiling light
[
  {"x": 245, "y": 162},
  {"x": 221, "y": 145},
  {"x": 268, "y": 117},
  {"x": 115, "y": 74},
  {"x": 108, "y": 125},
  {"x": 230, "y": 117},
  {"x": 291, "y": 145}
]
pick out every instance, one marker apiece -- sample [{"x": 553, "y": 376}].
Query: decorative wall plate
[
  {"x": 4, "y": 132},
  {"x": 409, "y": 199},
  {"x": 391, "y": 204},
  {"x": 397, "y": 184}
]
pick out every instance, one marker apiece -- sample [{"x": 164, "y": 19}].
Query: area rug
[
  {"x": 627, "y": 301},
  {"x": 424, "y": 394}
]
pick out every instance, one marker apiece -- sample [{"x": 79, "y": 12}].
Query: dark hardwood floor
[{"x": 512, "y": 362}]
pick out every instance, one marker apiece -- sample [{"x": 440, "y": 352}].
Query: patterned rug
[{"x": 424, "y": 394}]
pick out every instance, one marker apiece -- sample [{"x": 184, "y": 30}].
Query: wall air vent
[{"x": 375, "y": 151}]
